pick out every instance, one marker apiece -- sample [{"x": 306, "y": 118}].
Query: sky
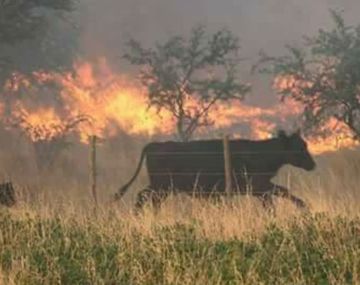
[{"x": 260, "y": 24}]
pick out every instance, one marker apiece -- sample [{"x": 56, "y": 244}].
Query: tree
[
  {"x": 323, "y": 75},
  {"x": 189, "y": 77},
  {"x": 22, "y": 20}
]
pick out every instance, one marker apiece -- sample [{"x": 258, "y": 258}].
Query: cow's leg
[
  {"x": 267, "y": 202},
  {"x": 283, "y": 192},
  {"x": 7, "y": 195},
  {"x": 157, "y": 198},
  {"x": 146, "y": 195},
  {"x": 142, "y": 198}
]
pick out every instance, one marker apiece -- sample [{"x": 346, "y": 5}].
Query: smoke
[
  {"x": 267, "y": 25},
  {"x": 105, "y": 25}
]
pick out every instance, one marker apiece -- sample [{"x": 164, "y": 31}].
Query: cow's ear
[
  {"x": 282, "y": 134},
  {"x": 284, "y": 138}
]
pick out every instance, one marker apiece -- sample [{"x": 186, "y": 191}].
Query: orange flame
[
  {"x": 112, "y": 101},
  {"x": 115, "y": 102},
  {"x": 340, "y": 137},
  {"x": 40, "y": 124}
]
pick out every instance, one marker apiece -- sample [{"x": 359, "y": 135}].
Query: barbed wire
[
  {"x": 164, "y": 153},
  {"x": 237, "y": 191},
  {"x": 210, "y": 173}
]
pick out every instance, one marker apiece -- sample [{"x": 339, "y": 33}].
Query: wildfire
[
  {"x": 339, "y": 139},
  {"x": 110, "y": 101},
  {"x": 338, "y": 135},
  {"x": 290, "y": 83},
  {"x": 114, "y": 102},
  {"x": 40, "y": 124}
]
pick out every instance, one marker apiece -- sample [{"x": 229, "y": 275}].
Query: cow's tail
[{"x": 124, "y": 189}]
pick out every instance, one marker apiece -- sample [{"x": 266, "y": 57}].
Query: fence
[
  {"x": 226, "y": 154},
  {"x": 93, "y": 170}
]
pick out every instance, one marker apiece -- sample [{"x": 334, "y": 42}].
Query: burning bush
[{"x": 47, "y": 132}]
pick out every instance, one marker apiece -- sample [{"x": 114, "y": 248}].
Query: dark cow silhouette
[
  {"x": 7, "y": 195},
  {"x": 197, "y": 167}
]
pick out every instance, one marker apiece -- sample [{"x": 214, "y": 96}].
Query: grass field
[{"x": 62, "y": 240}]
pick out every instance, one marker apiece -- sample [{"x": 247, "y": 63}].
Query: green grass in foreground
[{"x": 310, "y": 250}]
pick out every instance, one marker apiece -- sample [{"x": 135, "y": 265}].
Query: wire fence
[
  {"x": 170, "y": 153},
  {"x": 238, "y": 188},
  {"x": 250, "y": 170},
  {"x": 217, "y": 153},
  {"x": 244, "y": 173}
]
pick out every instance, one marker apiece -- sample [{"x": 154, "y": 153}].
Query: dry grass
[{"x": 53, "y": 238}]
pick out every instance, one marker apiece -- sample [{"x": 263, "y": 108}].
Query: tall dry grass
[
  {"x": 55, "y": 236},
  {"x": 333, "y": 188}
]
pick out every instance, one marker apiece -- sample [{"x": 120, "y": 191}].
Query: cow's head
[
  {"x": 7, "y": 195},
  {"x": 296, "y": 150}
]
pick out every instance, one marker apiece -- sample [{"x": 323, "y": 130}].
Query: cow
[
  {"x": 7, "y": 194},
  {"x": 197, "y": 168}
]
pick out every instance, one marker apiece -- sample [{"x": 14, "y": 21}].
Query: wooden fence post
[
  {"x": 93, "y": 171},
  {"x": 227, "y": 166}
]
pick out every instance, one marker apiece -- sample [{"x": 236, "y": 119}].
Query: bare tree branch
[
  {"x": 324, "y": 76},
  {"x": 188, "y": 77}
]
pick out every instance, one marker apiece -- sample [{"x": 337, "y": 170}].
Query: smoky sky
[{"x": 260, "y": 24}]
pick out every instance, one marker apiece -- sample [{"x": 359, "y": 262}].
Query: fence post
[
  {"x": 93, "y": 172},
  {"x": 227, "y": 166}
]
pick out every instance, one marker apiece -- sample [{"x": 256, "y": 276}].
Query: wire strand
[
  {"x": 210, "y": 173},
  {"x": 164, "y": 153}
]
